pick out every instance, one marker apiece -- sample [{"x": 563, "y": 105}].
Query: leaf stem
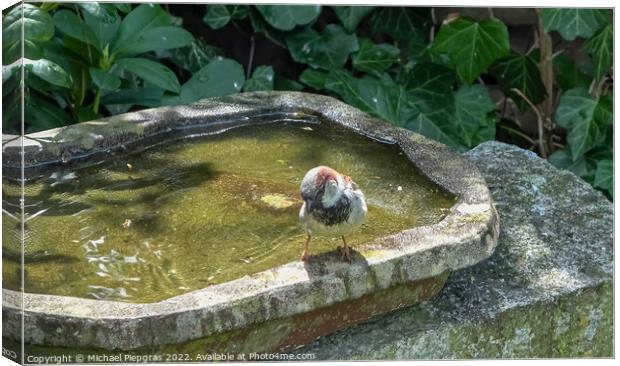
[
  {"x": 96, "y": 102},
  {"x": 541, "y": 133}
]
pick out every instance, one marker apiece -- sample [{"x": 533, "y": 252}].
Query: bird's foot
[
  {"x": 305, "y": 257},
  {"x": 344, "y": 254}
]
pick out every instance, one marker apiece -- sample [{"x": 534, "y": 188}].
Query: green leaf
[
  {"x": 195, "y": 56},
  {"x": 282, "y": 83},
  {"x": 563, "y": 159},
  {"x": 473, "y": 114},
  {"x": 313, "y": 78},
  {"x": 287, "y": 17},
  {"x": 472, "y": 46},
  {"x": 568, "y": 74},
  {"x": 520, "y": 72},
  {"x": 48, "y": 71},
  {"x": 351, "y": 16},
  {"x": 40, "y": 114},
  {"x": 375, "y": 58},
  {"x": 261, "y": 26},
  {"x": 104, "y": 80},
  {"x": 141, "y": 19},
  {"x": 585, "y": 118},
  {"x": 68, "y": 23},
  {"x": 600, "y": 47},
  {"x": 328, "y": 50},
  {"x": 390, "y": 102},
  {"x": 429, "y": 80},
  {"x": 219, "y": 15},
  {"x": 85, "y": 114},
  {"x": 124, "y": 7},
  {"x": 37, "y": 26},
  {"x": 572, "y": 22},
  {"x": 262, "y": 79},
  {"x": 103, "y": 22},
  {"x": 401, "y": 23},
  {"x": 156, "y": 39},
  {"x": 219, "y": 77},
  {"x": 151, "y": 71},
  {"x": 147, "y": 97},
  {"x": 604, "y": 175}
]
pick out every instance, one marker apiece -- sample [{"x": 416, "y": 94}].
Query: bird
[{"x": 333, "y": 205}]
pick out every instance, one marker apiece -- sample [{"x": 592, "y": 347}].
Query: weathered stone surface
[{"x": 545, "y": 292}]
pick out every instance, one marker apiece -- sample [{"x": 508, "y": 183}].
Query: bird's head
[{"x": 325, "y": 183}]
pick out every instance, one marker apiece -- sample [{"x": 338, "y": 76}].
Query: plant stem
[
  {"x": 546, "y": 74},
  {"x": 96, "y": 102}
]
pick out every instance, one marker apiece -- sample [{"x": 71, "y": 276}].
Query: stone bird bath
[{"x": 272, "y": 310}]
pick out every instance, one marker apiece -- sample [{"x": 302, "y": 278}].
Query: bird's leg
[
  {"x": 345, "y": 251},
  {"x": 304, "y": 255}
]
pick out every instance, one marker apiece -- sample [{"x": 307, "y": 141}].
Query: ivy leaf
[
  {"x": 472, "y": 46},
  {"x": 563, "y": 159},
  {"x": 473, "y": 114},
  {"x": 573, "y": 23},
  {"x": 282, "y": 83},
  {"x": 520, "y": 72},
  {"x": 585, "y": 119},
  {"x": 568, "y": 74},
  {"x": 351, "y": 16},
  {"x": 104, "y": 80},
  {"x": 604, "y": 175},
  {"x": 219, "y": 77},
  {"x": 314, "y": 78},
  {"x": 219, "y": 15},
  {"x": 261, "y": 26},
  {"x": 328, "y": 50},
  {"x": 48, "y": 71},
  {"x": 600, "y": 47},
  {"x": 401, "y": 23},
  {"x": 287, "y": 17},
  {"x": 262, "y": 79},
  {"x": 37, "y": 25},
  {"x": 390, "y": 102},
  {"x": 429, "y": 80},
  {"x": 195, "y": 56},
  {"x": 151, "y": 71},
  {"x": 155, "y": 39},
  {"x": 375, "y": 58}
]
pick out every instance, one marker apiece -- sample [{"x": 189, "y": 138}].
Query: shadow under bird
[{"x": 333, "y": 206}]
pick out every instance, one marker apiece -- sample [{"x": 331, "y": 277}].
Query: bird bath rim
[{"x": 468, "y": 234}]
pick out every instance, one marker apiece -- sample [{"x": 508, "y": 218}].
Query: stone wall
[{"x": 545, "y": 292}]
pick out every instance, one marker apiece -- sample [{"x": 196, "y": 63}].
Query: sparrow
[{"x": 333, "y": 205}]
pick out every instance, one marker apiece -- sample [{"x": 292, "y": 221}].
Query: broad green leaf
[
  {"x": 83, "y": 114},
  {"x": 103, "y": 23},
  {"x": 195, "y": 56},
  {"x": 283, "y": 83},
  {"x": 139, "y": 20},
  {"x": 429, "y": 80},
  {"x": 604, "y": 175},
  {"x": 68, "y": 23},
  {"x": 520, "y": 72},
  {"x": 375, "y": 58},
  {"x": 104, "y": 80},
  {"x": 40, "y": 114},
  {"x": 390, "y": 102},
  {"x": 151, "y": 71},
  {"x": 600, "y": 47},
  {"x": 156, "y": 39},
  {"x": 219, "y": 15},
  {"x": 219, "y": 77},
  {"x": 313, "y": 78},
  {"x": 287, "y": 17},
  {"x": 327, "y": 50},
  {"x": 572, "y": 22},
  {"x": 401, "y": 23},
  {"x": 37, "y": 26},
  {"x": 48, "y": 71},
  {"x": 261, "y": 26},
  {"x": 262, "y": 79},
  {"x": 472, "y": 46},
  {"x": 585, "y": 118},
  {"x": 147, "y": 97},
  {"x": 124, "y": 7},
  {"x": 562, "y": 159},
  {"x": 568, "y": 74},
  {"x": 473, "y": 114},
  {"x": 351, "y": 16}
]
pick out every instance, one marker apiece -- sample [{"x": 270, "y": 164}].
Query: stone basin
[{"x": 295, "y": 300}]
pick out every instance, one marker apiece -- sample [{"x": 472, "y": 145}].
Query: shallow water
[{"x": 179, "y": 217}]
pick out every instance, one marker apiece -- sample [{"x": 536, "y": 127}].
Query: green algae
[{"x": 182, "y": 216}]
